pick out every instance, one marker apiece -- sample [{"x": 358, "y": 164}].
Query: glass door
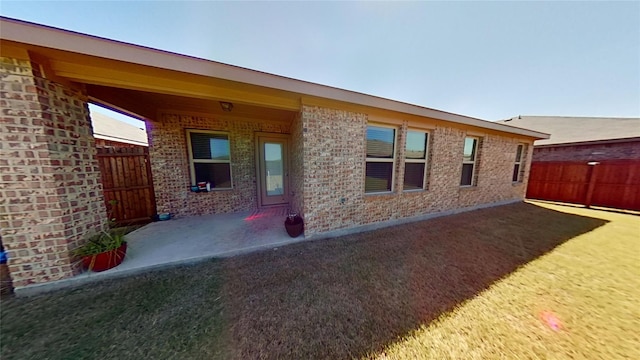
[{"x": 272, "y": 170}]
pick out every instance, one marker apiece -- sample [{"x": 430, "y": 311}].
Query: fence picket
[
  {"x": 614, "y": 184},
  {"x": 125, "y": 178}
]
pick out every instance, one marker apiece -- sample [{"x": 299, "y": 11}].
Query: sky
[{"x": 489, "y": 60}]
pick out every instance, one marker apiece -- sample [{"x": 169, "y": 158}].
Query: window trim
[
  {"x": 474, "y": 177},
  {"x": 391, "y": 160},
  {"x": 424, "y": 161},
  {"x": 192, "y": 161},
  {"x": 519, "y": 164}
]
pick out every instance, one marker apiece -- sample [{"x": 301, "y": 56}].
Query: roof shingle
[{"x": 565, "y": 129}]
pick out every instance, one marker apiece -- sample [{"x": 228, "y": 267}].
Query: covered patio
[
  {"x": 238, "y": 130},
  {"x": 190, "y": 240},
  {"x": 252, "y": 140}
]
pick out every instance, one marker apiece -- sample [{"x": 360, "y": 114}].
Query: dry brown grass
[
  {"x": 471, "y": 285},
  {"x": 581, "y": 301}
]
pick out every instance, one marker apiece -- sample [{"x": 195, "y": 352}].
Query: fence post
[{"x": 593, "y": 165}]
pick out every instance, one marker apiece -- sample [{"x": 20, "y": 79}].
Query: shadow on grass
[
  {"x": 593, "y": 207},
  {"x": 339, "y": 298},
  {"x": 351, "y": 296}
]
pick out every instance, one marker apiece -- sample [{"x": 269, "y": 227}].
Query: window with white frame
[
  {"x": 517, "y": 167},
  {"x": 209, "y": 158},
  {"x": 415, "y": 163},
  {"x": 469, "y": 158},
  {"x": 380, "y": 159}
]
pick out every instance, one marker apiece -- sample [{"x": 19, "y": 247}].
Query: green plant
[
  {"x": 111, "y": 221},
  {"x": 101, "y": 242}
]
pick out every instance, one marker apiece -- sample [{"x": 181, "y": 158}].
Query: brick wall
[
  {"x": 589, "y": 152},
  {"x": 495, "y": 172},
  {"x": 327, "y": 169},
  {"x": 50, "y": 191},
  {"x": 296, "y": 165},
  {"x": 334, "y": 169},
  {"x": 170, "y": 164}
]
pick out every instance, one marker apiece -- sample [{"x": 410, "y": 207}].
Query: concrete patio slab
[
  {"x": 197, "y": 237},
  {"x": 189, "y": 240}
]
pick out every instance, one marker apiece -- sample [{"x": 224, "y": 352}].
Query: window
[
  {"x": 415, "y": 166},
  {"x": 517, "y": 168},
  {"x": 469, "y": 161},
  {"x": 210, "y": 158},
  {"x": 380, "y": 159}
]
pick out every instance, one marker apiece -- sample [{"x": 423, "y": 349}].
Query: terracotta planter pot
[
  {"x": 294, "y": 227},
  {"x": 106, "y": 260}
]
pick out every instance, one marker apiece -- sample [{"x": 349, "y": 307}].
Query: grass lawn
[{"x": 527, "y": 280}]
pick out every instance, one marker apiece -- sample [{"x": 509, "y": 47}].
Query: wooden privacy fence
[
  {"x": 614, "y": 184},
  {"x": 127, "y": 185}
]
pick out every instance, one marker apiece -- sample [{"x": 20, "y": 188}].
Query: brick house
[
  {"x": 341, "y": 159},
  {"x": 582, "y": 138},
  {"x": 587, "y": 160},
  {"x": 110, "y": 132}
]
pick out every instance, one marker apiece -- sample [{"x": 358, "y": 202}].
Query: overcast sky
[{"x": 490, "y": 60}]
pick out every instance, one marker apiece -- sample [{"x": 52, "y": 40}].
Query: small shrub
[{"x": 101, "y": 242}]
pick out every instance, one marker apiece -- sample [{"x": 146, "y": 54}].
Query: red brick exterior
[
  {"x": 625, "y": 150},
  {"x": 327, "y": 169},
  {"x": 170, "y": 164},
  {"x": 296, "y": 166},
  {"x": 334, "y": 169},
  {"x": 51, "y": 196},
  {"x": 50, "y": 191}
]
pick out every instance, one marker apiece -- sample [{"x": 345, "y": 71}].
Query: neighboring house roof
[
  {"x": 570, "y": 130},
  {"x": 199, "y": 78},
  {"x": 108, "y": 128}
]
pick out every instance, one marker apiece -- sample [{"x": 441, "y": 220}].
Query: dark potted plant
[
  {"x": 294, "y": 224},
  {"x": 103, "y": 251}
]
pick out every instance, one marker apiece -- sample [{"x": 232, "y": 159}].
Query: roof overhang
[{"x": 118, "y": 64}]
